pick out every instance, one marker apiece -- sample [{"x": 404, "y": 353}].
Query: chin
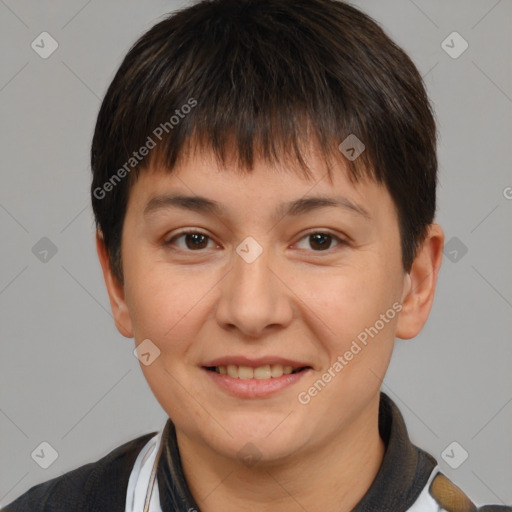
[{"x": 268, "y": 441}]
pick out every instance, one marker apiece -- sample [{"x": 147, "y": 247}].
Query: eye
[
  {"x": 193, "y": 240},
  {"x": 321, "y": 241}
]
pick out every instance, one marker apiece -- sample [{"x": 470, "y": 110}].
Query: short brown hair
[{"x": 267, "y": 75}]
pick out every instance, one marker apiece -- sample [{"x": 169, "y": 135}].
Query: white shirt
[{"x": 139, "y": 478}]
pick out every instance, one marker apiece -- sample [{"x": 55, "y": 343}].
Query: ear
[
  {"x": 115, "y": 291},
  {"x": 420, "y": 285}
]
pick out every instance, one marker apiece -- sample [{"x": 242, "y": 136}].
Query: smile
[{"x": 265, "y": 372}]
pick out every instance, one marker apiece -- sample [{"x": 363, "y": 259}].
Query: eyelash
[{"x": 341, "y": 241}]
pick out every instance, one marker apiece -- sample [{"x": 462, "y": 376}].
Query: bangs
[
  {"x": 246, "y": 99},
  {"x": 238, "y": 151}
]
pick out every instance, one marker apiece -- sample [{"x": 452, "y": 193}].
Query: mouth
[{"x": 265, "y": 372}]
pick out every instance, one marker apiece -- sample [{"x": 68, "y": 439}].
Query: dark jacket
[
  {"x": 101, "y": 486},
  {"x": 98, "y": 486}
]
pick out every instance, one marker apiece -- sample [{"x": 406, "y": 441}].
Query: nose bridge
[
  {"x": 253, "y": 298},
  {"x": 252, "y": 272}
]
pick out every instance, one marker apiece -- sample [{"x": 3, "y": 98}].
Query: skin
[{"x": 295, "y": 300}]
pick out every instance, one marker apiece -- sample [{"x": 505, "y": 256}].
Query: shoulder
[
  {"x": 97, "y": 486},
  {"x": 446, "y": 496}
]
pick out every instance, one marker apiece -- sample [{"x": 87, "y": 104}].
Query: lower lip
[{"x": 255, "y": 388}]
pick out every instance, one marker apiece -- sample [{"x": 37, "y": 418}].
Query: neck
[{"x": 333, "y": 477}]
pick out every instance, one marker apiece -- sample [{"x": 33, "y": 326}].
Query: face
[{"x": 264, "y": 280}]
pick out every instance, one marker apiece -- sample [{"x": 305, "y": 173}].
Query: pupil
[
  {"x": 317, "y": 239},
  {"x": 196, "y": 240}
]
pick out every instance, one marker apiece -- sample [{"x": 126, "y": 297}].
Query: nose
[{"x": 254, "y": 298}]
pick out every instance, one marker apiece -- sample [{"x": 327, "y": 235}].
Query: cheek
[
  {"x": 344, "y": 296},
  {"x": 352, "y": 311},
  {"x": 167, "y": 304},
  {"x": 162, "y": 314}
]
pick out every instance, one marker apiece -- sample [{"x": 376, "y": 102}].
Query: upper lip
[{"x": 254, "y": 362}]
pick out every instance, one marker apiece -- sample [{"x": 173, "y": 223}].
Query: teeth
[
  {"x": 245, "y": 372},
  {"x": 276, "y": 370},
  {"x": 261, "y": 372}
]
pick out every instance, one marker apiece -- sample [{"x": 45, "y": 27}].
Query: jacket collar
[{"x": 405, "y": 469}]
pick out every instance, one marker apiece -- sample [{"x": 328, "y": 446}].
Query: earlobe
[
  {"x": 420, "y": 285},
  {"x": 115, "y": 291}
]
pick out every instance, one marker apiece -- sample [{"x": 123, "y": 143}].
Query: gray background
[{"x": 69, "y": 378}]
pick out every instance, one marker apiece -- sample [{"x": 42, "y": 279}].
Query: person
[{"x": 264, "y": 188}]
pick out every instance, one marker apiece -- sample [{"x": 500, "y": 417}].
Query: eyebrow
[{"x": 292, "y": 208}]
